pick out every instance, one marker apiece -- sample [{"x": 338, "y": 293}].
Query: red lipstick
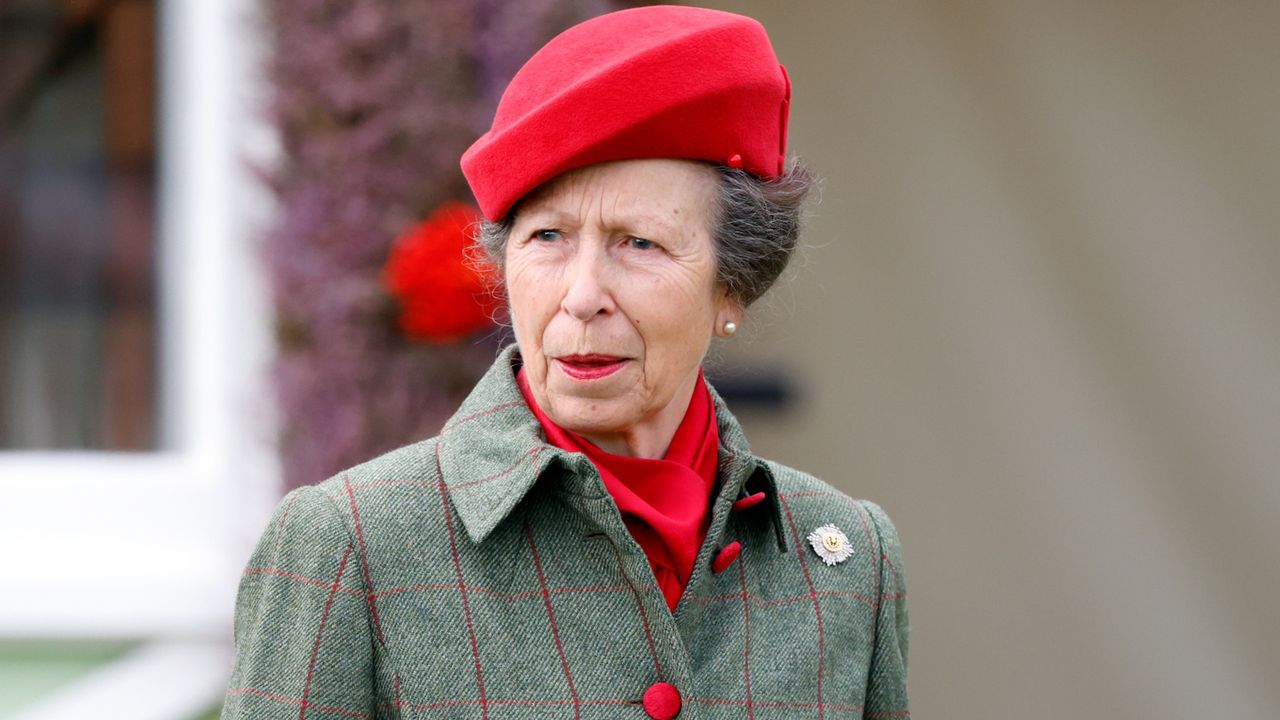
[{"x": 590, "y": 367}]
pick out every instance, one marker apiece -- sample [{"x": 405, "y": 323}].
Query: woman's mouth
[{"x": 590, "y": 367}]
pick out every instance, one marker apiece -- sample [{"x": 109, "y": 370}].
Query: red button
[
  {"x": 735, "y": 161},
  {"x": 726, "y": 557},
  {"x": 662, "y": 701},
  {"x": 748, "y": 501}
]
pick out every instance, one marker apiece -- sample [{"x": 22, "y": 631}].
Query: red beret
[{"x": 649, "y": 82}]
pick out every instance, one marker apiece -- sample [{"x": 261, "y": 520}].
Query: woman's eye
[
  {"x": 547, "y": 235},
  {"x": 640, "y": 243}
]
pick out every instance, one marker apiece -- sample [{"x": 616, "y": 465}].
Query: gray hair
[{"x": 755, "y": 232}]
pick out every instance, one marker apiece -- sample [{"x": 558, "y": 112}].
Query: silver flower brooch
[{"x": 830, "y": 544}]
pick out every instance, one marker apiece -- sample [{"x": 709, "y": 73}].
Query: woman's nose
[{"x": 588, "y": 293}]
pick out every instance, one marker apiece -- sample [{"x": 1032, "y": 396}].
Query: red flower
[{"x": 444, "y": 293}]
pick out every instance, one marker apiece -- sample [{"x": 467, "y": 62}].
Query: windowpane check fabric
[{"x": 486, "y": 574}]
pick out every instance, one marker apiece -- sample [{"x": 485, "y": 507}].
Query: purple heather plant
[{"x": 375, "y": 101}]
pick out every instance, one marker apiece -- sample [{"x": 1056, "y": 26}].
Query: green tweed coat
[{"x": 486, "y": 574}]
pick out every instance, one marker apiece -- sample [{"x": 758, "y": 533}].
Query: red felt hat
[{"x": 649, "y": 82}]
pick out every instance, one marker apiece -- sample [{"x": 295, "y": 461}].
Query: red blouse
[{"x": 664, "y": 503}]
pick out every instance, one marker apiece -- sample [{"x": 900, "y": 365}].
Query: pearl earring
[{"x": 730, "y": 328}]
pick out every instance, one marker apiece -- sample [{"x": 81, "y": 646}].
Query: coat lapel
[{"x": 492, "y": 452}]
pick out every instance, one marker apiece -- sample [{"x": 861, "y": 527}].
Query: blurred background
[{"x": 1037, "y": 319}]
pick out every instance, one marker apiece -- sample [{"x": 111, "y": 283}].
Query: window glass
[{"x": 77, "y": 197}]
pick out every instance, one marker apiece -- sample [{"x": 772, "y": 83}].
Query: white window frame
[{"x": 150, "y": 544}]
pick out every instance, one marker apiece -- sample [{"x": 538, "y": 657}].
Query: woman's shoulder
[
  {"x": 807, "y": 499},
  {"x": 372, "y": 494},
  {"x": 409, "y": 465}
]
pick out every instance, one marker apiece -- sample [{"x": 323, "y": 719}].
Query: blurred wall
[{"x": 1039, "y": 322}]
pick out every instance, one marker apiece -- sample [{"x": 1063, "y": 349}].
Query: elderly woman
[{"x": 590, "y": 535}]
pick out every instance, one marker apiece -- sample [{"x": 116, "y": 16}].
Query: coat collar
[{"x": 492, "y": 452}]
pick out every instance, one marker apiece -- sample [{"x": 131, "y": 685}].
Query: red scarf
[{"x": 664, "y": 503}]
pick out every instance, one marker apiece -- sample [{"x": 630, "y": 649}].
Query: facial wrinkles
[
  {"x": 599, "y": 215},
  {"x": 611, "y": 213},
  {"x": 652, "y": 297},
  {"x": 590, "y": 255},
  {"x": 594, "y": 209},
  {"x": 588, "y": 273}
]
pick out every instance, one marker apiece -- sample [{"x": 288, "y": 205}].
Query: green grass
[
  {"x": 212, "y": 714},
  {"x": 31, "y": 670}
]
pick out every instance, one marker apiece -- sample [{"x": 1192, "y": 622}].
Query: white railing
[{"x": 151, "y": 544}]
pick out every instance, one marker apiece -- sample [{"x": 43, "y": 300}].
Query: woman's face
[{"x": 610, "y": 272}]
